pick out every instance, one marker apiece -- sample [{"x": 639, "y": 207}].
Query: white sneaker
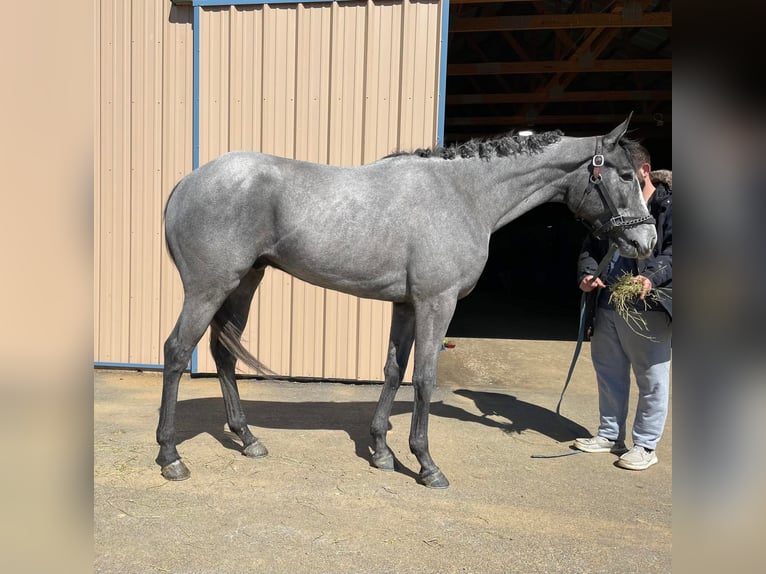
[
  {"x": 599, "y": 444},
  {"x": 637, "y": 458}
]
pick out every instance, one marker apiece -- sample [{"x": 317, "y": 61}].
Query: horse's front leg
[
  {"x": 399, "y": 347},
  {"x": 432, "y": 319}
]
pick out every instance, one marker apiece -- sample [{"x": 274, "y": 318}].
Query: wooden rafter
[
  {"x": 555, "y": 96},
  {"x": 561, "y": 35},
  {"x": 553, "y": 67},
  {"x": 595, "y": 43},
  {"x": 571, "y": 119},
  {"x": 590, "y": 48},
  {"x": 561, "y": 22},
  {"x": 495, "y": 1}
]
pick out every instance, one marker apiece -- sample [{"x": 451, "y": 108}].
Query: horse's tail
[{"x": 230, "y": 337}]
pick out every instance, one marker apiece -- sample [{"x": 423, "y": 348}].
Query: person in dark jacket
[{"x": 616, "y": 346}]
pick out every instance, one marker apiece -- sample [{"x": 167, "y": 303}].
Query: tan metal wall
[
  {"x": 339, "y": 83},
  {"x": 142, "y": 147}
]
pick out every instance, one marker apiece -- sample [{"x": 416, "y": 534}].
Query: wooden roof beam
[
  {"x": 493, "y": 1},
  {"x": 559, "y": 66},
  {"x": 572, "y": 119},
  {"x": 562, "y": 22},
  {"x": 595, "y": 43},
  {"x": 556, "y": 96}
]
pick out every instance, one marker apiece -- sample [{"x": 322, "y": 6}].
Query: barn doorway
[{"x": 527, "y": 289}]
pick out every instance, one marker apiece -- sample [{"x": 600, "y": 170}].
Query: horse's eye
[{"x": 626, "y": 177}]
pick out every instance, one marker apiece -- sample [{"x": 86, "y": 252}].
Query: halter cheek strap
[{"x": 616, "y": 221}]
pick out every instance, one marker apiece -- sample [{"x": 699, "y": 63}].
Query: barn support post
[{"x": 442, "y": 92}]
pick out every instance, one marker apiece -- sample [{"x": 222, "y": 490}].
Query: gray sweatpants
[{"x": 614, "y": 349}]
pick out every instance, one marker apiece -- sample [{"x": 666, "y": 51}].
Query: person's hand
[
  {"x": 646, "y": 285},
  {"x": 589, "y": 283}
]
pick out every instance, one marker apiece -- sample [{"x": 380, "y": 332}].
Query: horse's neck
[{"x": 506, "y": 188}]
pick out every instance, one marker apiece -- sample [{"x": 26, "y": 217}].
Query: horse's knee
[
  {"x": 424, "y": 380},
  {"x": 391, "y": 371}
]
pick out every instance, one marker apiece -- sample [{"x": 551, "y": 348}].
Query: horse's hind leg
[
  {"x": 196, "y": 314},
  {"x": 399, "y": 347},
  {"x": 235, "y": 311}
]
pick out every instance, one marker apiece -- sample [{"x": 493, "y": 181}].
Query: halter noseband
[{"x": 616, "y": 221}]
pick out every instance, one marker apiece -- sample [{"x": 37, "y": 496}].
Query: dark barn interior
[{"x": 578, "y": 66}]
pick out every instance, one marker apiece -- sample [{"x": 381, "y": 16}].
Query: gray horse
[{"x": 411, "y": 228}]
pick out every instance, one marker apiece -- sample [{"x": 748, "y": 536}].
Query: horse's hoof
[
  {"x": 384, "y": 461},
  {"x": 434, "y": 479},
  {"x": 176, "y": 470},
  {"x": 255, "y": 450}
]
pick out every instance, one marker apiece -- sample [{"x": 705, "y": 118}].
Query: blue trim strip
[
  {"x": 195, "y": 120},
  {"x": 206, "y": 3},
  {"x": 108, "y": 365},
  {"x": 440, "y": 120}
]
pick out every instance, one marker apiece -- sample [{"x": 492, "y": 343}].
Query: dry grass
[{"x": 625, "y": 296}]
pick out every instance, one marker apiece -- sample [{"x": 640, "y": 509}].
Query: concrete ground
[{"x": 316, "y": 505}]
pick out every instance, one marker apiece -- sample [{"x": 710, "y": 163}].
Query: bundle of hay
[{"x": 625, "y": 294}]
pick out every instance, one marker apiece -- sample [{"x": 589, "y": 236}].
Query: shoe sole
[
  {"x": 598, "y": 449},
  {"x": 641, "y": 466}
]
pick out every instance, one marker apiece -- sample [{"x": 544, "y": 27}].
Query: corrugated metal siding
[
  {"x": 339, "y": 83},
  {"x": 143, "y": 146}
]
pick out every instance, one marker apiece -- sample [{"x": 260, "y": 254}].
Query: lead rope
[
  {"x": 581, "y": 329},
  {"x": 580, "y": 337}
]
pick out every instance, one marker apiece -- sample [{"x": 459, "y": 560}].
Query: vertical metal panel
[
  {"x": 143, "y": 118},
  {"x": 145, "y": 179},
  {"x": 97, "y": 127},
  {"x": 340, "y": 83},
  {"x": 214, "y": 84},
  {"x": 97, "y": 41},
  {"x": 177, "y": 127},
  {"x": 113, "y": 266}
]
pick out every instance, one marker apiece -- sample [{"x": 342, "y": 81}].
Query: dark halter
[{"x": 615, "y": 221}]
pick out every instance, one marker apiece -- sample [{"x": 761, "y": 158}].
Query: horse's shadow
[
  {"x": 521, "y": 416},
  {"x": 207, "y": 415}
]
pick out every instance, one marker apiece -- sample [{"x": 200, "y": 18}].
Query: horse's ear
[{"x": 611, "y": 139}]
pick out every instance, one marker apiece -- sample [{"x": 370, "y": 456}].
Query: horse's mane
[{"x": 499, "y": 146}]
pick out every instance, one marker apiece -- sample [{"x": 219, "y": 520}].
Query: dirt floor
[{"x": 316, "y": 505}]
